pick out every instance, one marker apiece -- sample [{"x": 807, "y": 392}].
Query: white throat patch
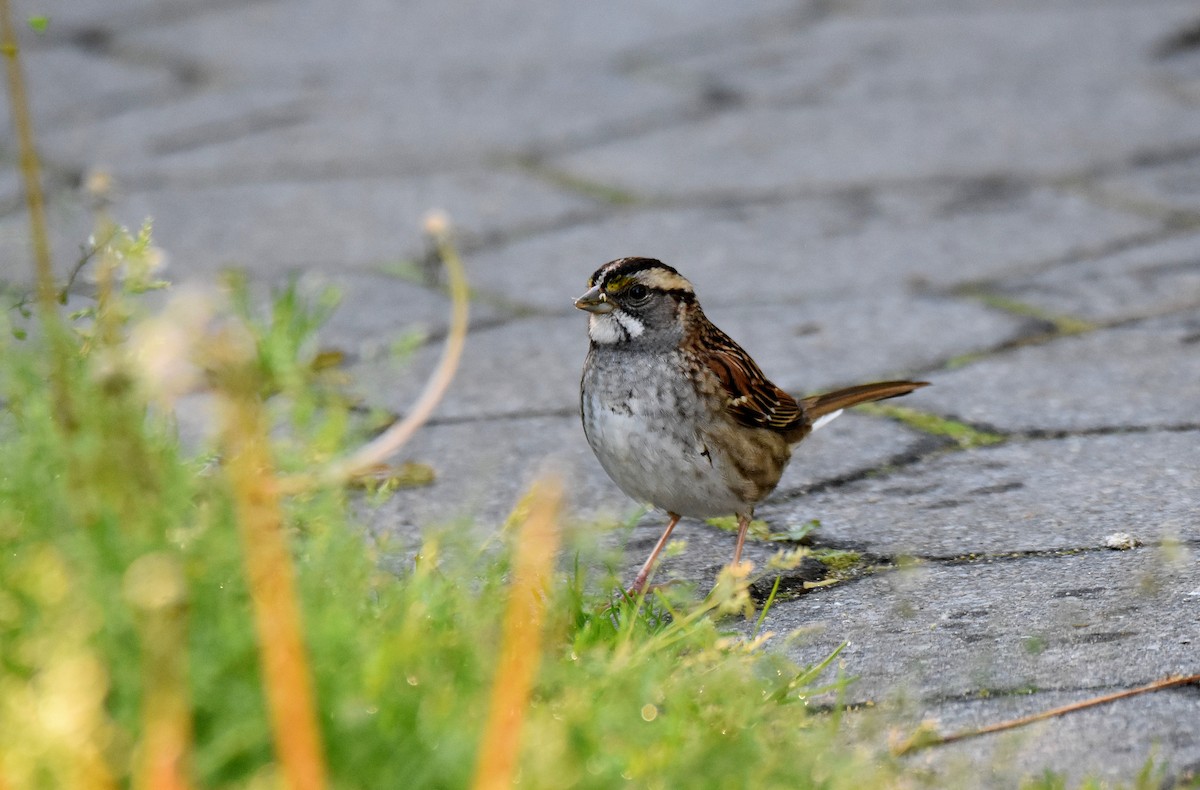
[{"x": 609, "y": 328}]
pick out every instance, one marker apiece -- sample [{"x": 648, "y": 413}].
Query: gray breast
[{"x": 642, "y": 420}]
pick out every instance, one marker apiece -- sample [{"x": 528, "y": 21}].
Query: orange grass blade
[
  {"x": 521, "y": 641},
  {"x": 290, "y": 699}
]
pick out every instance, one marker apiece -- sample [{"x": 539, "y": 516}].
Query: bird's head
[{"x": 638, "y": 300}]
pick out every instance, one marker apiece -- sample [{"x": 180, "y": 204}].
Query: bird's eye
[{"x": 638, "y": 292}]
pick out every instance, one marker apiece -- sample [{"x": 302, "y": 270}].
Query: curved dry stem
[
  {"x": 926, "y": 739},
  {"x": 367, "y": 458}
]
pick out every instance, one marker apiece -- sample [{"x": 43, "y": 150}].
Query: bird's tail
[{"x": 819, "y": 406}]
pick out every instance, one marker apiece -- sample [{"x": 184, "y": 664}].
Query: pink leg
[
  {"x": 639, "y": 584},
  {"x": 743, "y": 526}
]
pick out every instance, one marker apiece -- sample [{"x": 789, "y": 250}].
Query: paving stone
[
  {"x": 1173, "y": 184},
  {"x": 397, "y": 129},
  {"x": 483, "y": 467},
  {"x": 66, "y": 85},
  {"x": 757, "y": 150},
  {"x": 381, "y": 40},
  {"x": 1110, "y": 743},
  {"x": 347, "y": 225},
  {"x": 1023, "y": 496},
  {"x": 134, "y": 145},
  {"x": 1179, "y": 61},
  {"x": 11, "y": 191},
  {"x": 1161, "y": 277},
  {"x": 69, "y": 222},
  {"x": 818, "y": 248},
  {"x": 1000, "y": 107},
  {"x": 533, "y": 365},
  {"x": 379, "y": 95},
  {"x": 1136, "y": 376},
  {"x": 858, "y": 54},
  {"x": 377, "y": 313},
  {"x": 940, "y": 631},
  {"x": 937, "y": 642},
  {"x": 530, "y": 366},
  {"x": 122, "y": 14},
  {"x": 889, "y": 8}
]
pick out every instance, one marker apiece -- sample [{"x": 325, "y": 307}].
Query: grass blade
[{"x": 521, "y": 642}]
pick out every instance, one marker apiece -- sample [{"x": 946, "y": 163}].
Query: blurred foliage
[{"x": 97, "y": 516}]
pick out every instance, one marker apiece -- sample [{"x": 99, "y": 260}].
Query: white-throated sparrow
[{"x": 678, "y": 414}]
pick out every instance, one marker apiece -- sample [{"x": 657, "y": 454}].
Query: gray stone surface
[
  {"x": 938, "y": 631},
  {"x": 275, "y": 228},
  {"x": 937, "y": 642},
  {"x": 858, "y": 190},
  {"x": 381, "y": 319},
  {"x": 1134, "y": 283},
  {"x": 379, "y": 221},
  {"x": 1041, "y": 495},
  {"x": 101, "y": 86},
  {"x": 821, "y": 247},
  {"x": 1106, "y": 743},
  {"x": 863, "y": 117},
  {"x": 1173, "y": 184},
  {"x": 1143, "y": 375},
  {"x": 141, "y": 145}
]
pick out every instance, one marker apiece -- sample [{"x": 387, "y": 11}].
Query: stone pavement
[{"x": 1002, "y": 196}]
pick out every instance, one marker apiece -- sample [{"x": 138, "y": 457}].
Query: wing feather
[{"x": 750, "y": 397}]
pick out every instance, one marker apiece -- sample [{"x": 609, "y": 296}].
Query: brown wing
[{"x": 751, "y": 399}]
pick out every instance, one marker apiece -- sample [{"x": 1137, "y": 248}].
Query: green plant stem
[
  {"x": 35, "y": 201},
  {"x": 30, "y": 169}
]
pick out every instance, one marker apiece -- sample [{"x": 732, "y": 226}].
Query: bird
[{"x": 677, "y": 413}]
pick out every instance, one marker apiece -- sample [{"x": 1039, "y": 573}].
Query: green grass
[
  {"x": 838, "y": 561},
  {"x": 665, "y": 694},
  {"x": 1063, "y": 324},
  {"x": 960, "y": 433}
]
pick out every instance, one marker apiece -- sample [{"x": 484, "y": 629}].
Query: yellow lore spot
[{"x": 616, "y": 284}]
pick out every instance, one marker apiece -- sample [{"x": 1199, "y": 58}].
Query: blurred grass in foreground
[{"x": 128, "y": 648}]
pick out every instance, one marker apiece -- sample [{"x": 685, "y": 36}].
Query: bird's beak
[{"x": 594, "y": 301}]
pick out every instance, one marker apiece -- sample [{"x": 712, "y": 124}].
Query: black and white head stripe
[{"x": 654, "y": 274}]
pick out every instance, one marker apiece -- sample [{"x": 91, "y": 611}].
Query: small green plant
[
  {"x": 838, "y": 561},
  {"x": 960, "y": 433}
]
